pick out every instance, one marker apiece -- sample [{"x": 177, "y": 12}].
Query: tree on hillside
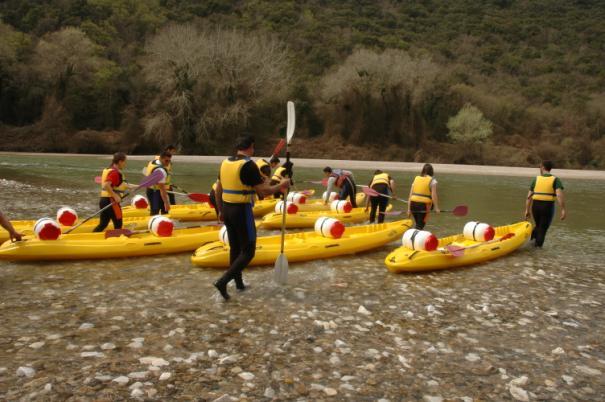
[
  {"x": 378, "y": 96},
  {"x": 470, "y": 128},
  {"x": 209, "y": 82}
]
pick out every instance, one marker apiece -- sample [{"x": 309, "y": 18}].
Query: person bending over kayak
[
  {"x": 6, "y": 224},
  {"x": 543, "y": 192},
  {"x": 383, "y": 184},
  {"x": 281, "y": 173},
  {"x": 344, "y": 180},
  {"x": 239, "y": 180},
  {"x": 423, "y": 196},
  {"x": 113, "y": 183},
  {"x": 156, "y": 162},
  {"x": 158, "y": 198}
]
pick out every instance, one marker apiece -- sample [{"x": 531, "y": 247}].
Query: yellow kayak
[
  {"x": 317, "y": 204},
  {"x": 199, "y": 212},
  {"x": 307, "y": 219},
  {"x": 307, "y": 246},
  {"x": 507, "y": 239},
  {"x": 95, "y": 245},
  {"x": 26, "y": 227}
]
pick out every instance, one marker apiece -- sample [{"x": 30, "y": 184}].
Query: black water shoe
[{"x": 222, "y": 288}]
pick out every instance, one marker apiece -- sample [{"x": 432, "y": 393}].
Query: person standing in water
[
  {"x": 171, "y": 149},
  {"x": 113, "y": 183},
  {"x": 423, "y": 196},
  {"x": 381, "y": 183},
  {"x": 543, "y": 192},
  {"x": 239, "y": 180}
]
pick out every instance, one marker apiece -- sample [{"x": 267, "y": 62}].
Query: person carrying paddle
[
  {"x": 113, "y": 183},
  {"x": 543, "y": 192},
  {"x": 281, "y": 173},
  {"x": 239, "y": 180},
  {"x": 156, "y": 162},
  {"x": 423, "y": 196},
  {"x": 344, "y": 180},
  {"x": 158, "y": 196},
  {"x": 6, "y": 224},
  {"x": 381, "y": 183}
]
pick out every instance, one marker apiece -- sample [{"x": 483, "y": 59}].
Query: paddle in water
[
  {"x": 458, "y": 251},
  {"x": 460, "y": 210},
  {"x": 151, "y": 180},
  {"x": 280, "y": 274}
]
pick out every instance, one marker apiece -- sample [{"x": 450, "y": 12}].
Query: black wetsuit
[
  {"x": 543, "y": 212},
  {"x": 156, "y": 203},
  {"x": 107, "y": 215},
  {"x": 420, "y": 212},
  {"x": 379, "y": 203},
  {"x": 241, "y": 229}
]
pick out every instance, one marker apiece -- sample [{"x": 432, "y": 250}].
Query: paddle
[
  {"x": 458, "y": 251},
  {"x": 460, "y": 210},
  {"x": 197, "y": 197},
  {"x": 280, "y": 274},
  {"x": 152, "y": 179}
]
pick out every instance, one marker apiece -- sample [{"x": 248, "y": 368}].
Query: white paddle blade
[
  {"x": 291, "y": 121},
  {"x": 280, "y": 274}
]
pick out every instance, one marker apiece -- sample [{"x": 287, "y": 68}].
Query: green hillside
[{"x": 500, "y": 82}]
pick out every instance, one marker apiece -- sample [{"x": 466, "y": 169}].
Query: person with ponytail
[
  {"x": 113, "y": 184},
  {"x": 423, "y": 196}
]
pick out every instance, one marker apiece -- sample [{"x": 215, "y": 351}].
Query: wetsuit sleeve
[
  {"x": 250, "y": 175},
  {"x": 532, "y": 185},
  {"x": 559, "y": 184}
]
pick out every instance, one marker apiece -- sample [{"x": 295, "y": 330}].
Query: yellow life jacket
[
  {"x": 214, "y": 186},
  {"x": 279, "y": 174},
  {"x": 122, "y": 187},
  {"x": 544, "y": 190},
  {"x": 166, "y": 181},
  {"x": 156, "y": 162},
  {"x": 421, "y": 190},
  {"x": 234, "y": 191},
  {"x": 382, "y": 178}
]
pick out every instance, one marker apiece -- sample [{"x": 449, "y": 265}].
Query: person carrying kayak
[
  {"x": 383, "y": 184},
  {"x": 113, "y": 183},
  {"x": 156, "y": 162},
  {"x": 423, "y": 196},
  {"x": 6, "y": 224},
  {"x": 239, "y": 180},
  {"x": 281, "y": 173},
  {"x": 344, "y": 180},
  {"x": 158, "y": 197},
  {"x": 543, "y": 192}
]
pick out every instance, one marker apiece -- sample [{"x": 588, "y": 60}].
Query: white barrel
[
  {"x": 419, "y": 240},
  {"x": 160, "y": 226},
  {"x": 67, "y": 216},
  {"x": 478, "y": 231},
  {"x": 223, "y": 236},
  {"x": 329, "y": 227},
  {"x": 47, "y": 229},
  {"x": 333, "y": 196},
  {"x": 341, "y": 206},
  {"x": 139, "y": 202},
  {"x": 291, "y": 208},
  {"x": 297, "y": 198}
]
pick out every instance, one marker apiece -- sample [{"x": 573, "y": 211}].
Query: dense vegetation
[{"x": 391, "y": 76}]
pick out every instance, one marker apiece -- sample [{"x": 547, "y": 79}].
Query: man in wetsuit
[
  {"x": 171, "y": 149},
  {"x": 543, "y": 192},
  {"x": 158, "y": 197},
  {"x": 239, "y": 180},
  {"x": 344, "y": 180}
]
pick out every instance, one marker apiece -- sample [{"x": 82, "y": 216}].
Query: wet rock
[
  {"x": 85, "y": 326},
  {"x": 339, "y": 344},
  {"x": 229, "y": 359},
  {"x": 121, "y": 380},
  {"x": 558, "y": 351},
  {"x": 518, "y": 393},
  {"x": 567, "y": 379},
  {"x": 330, "y": 391},
  {"x": 108, "y": 346},
  {"x": 269, "y": 393},
  {"x": 137, "y": 392},
  {"x": 472, "y": 357},
  {"x": 26, "y": 372},
  {"x": 363, "y": 310},
  {"x": 224, "y": 398},
  {"x": 431, "y": 398},
  {"x": 519, "y": 381},
  {"x": 246, "y": 376},
  {"x": 588, "y": 370},
  {"x": 212, "y": 354},
  {"x": 138, "y": 375},
  {"x": 347, "y": 378},
  {"x": 37, "y": 345},
  {"x": 92, "y": 354},
  {"x": 165, "y": 376},
  {"x": 153, "y": 361}
]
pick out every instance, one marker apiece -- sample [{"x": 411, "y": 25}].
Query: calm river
[{"x": 530, "y": 326}]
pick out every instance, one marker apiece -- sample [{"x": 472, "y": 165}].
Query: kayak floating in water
[{"x": 459, "y": 250}]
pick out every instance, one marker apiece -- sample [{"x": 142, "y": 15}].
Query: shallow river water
[{"x": 529, "y": 326}]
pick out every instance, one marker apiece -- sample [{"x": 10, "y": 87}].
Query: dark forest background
[{"x": 466, "y": 81}]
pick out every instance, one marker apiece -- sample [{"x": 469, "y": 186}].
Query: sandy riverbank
[{"x": 384, "y": 165}]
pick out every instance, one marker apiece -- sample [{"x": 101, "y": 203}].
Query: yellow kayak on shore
[
  {"x": 96, "y": 246},
  {"x": 26, "y": 226},
  {"x": 307, "y": 219},
  {"x": 199, "y": 212},
  {"x": 307, "y": 246},
  {"x": 457, "y": 251}
]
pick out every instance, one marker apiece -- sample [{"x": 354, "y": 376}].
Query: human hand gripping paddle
[
  {"x": 280, "y": 274},
  {"x": 196, "y": 197},
  {"x": 151, "y": 180},
  {"x": 460, "y": 210}
]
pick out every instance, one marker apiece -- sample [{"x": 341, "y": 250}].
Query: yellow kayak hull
[
  {"x": 307, "y": 219},
  {"x": 199, "y": 212},
  {"x": 406, "y": 260},
  {"x": 26, "y": 226},
  {"x": 96, "y": 246},
  {"x": 307, "y": 246}
]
